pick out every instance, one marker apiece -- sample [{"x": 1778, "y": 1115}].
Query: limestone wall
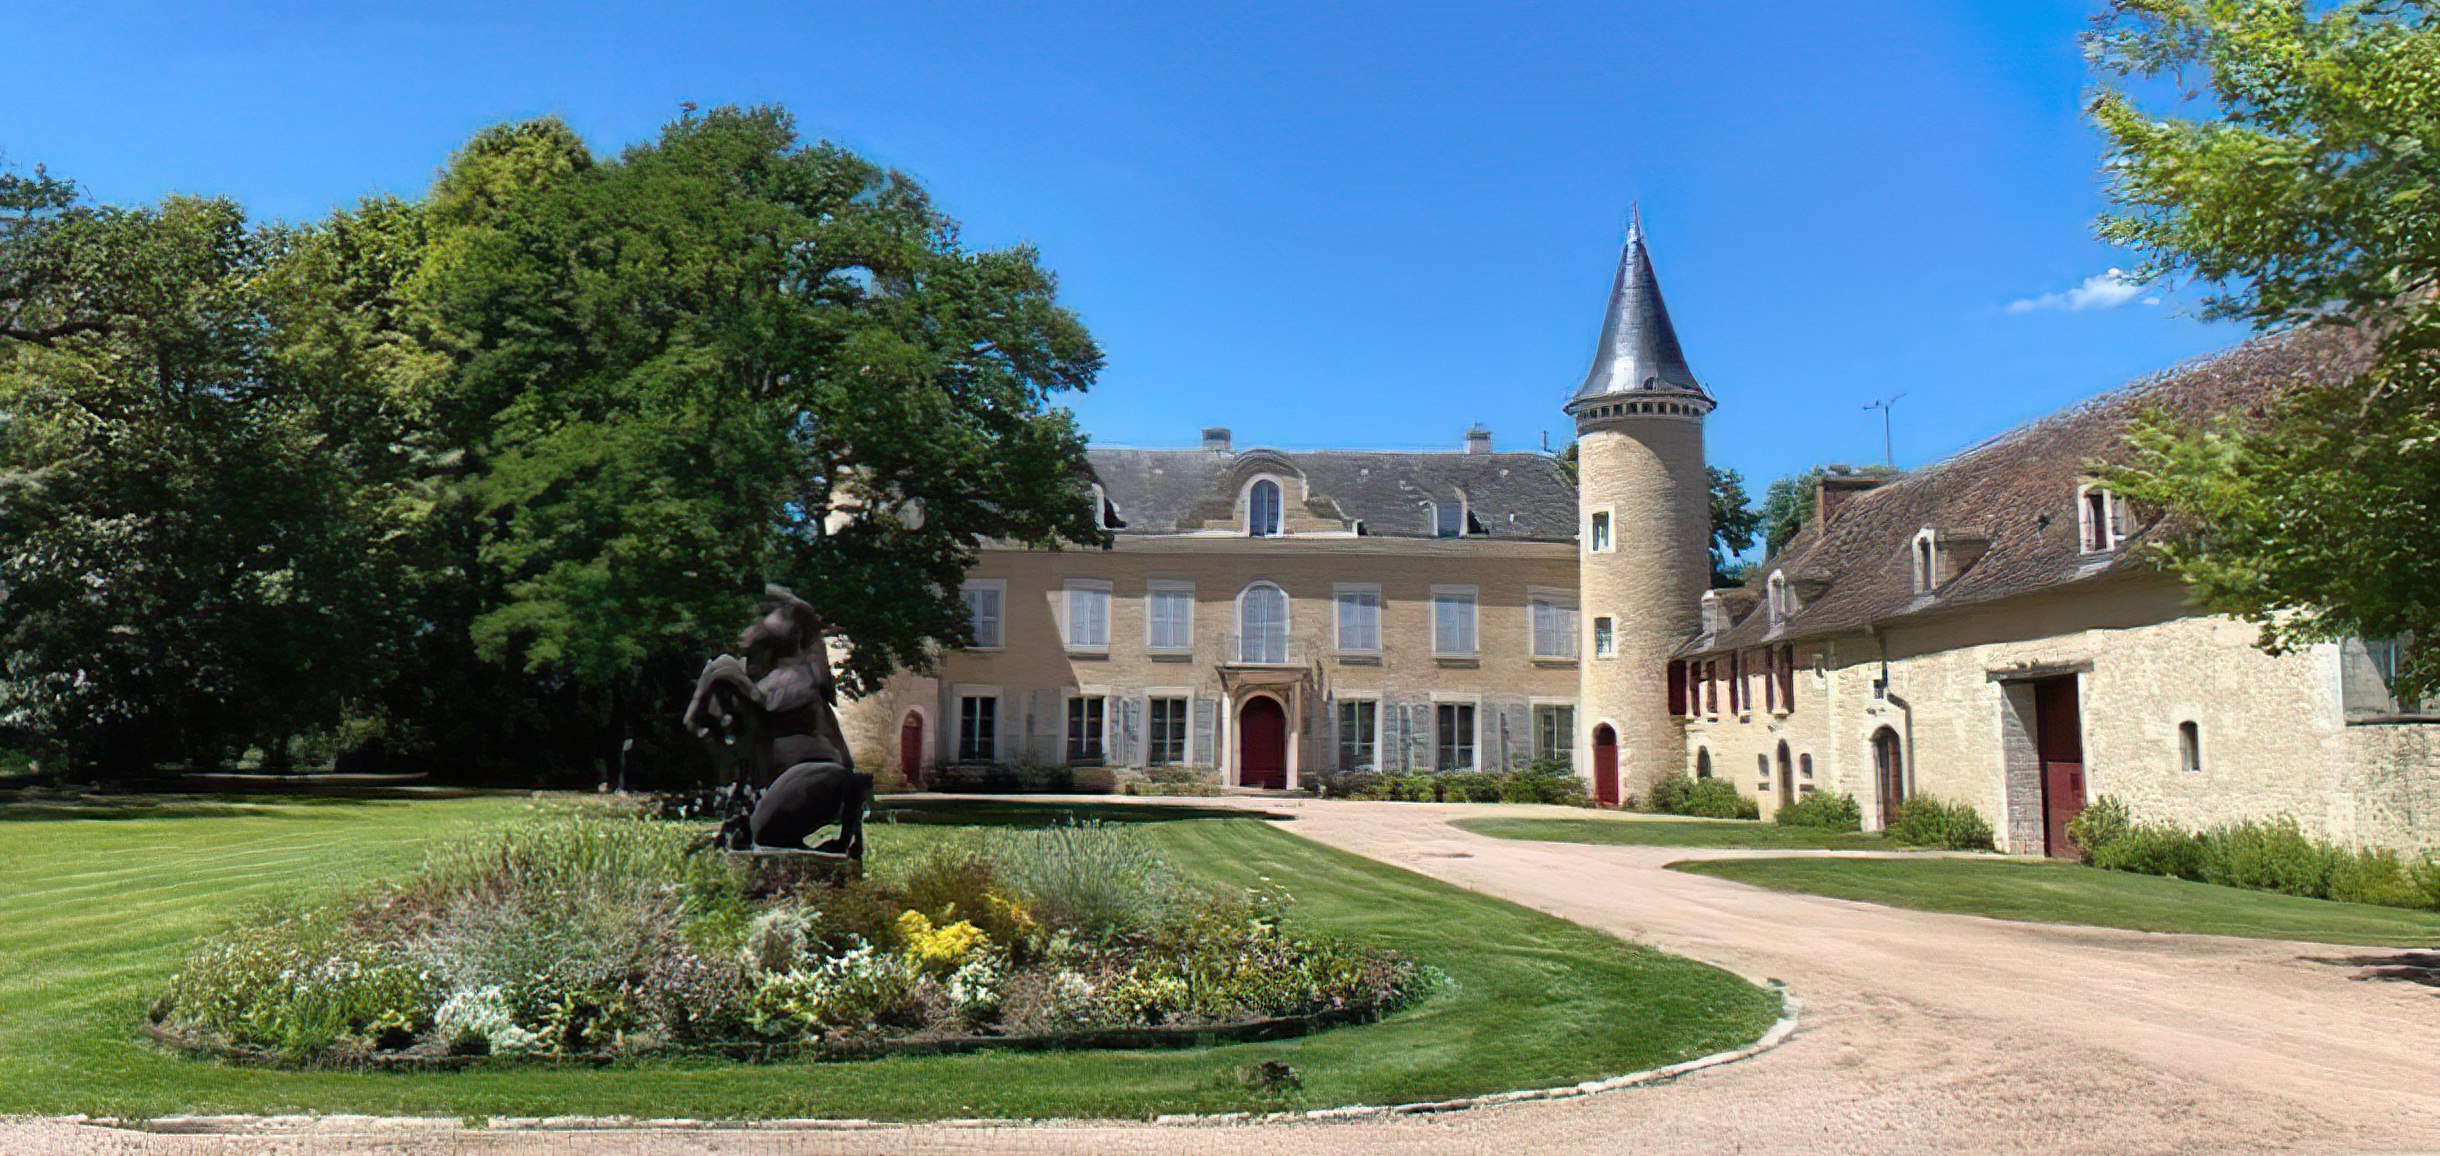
[
  {"x": 2273, "y": 739},
  {"x": 1034, "y": 672}
]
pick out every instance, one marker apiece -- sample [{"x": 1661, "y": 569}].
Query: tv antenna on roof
[{"x": 1885, "y": 405}]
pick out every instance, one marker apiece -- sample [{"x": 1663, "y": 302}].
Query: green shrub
[
  {"x": 2100, "y": 823},
  {"x": 1924, "y": 821},
  {"x": 1093, "y": 878},
  {"x": 1668, "y": 796},
  {"x": 1176, "y": 780},
  {"x": 1719, "y": 799},
  {"x": 1822, "y": 809},
  {"x": 1470, "y": 787},
  {"x": 1544, "y": 782},
  {"x": 1337, "y": 784},
  {"x": 2259, "y": 856},
  {"x": 2149, "y": 849}
]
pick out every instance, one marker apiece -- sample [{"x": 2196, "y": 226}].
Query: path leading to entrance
[{"x": 1920, "y": 1033}]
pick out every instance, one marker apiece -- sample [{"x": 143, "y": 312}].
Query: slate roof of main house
[
  {"x": 2019, "y": 491},
  {"x": 1513, "y": 496}
]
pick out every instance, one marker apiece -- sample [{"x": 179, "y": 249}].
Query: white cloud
[{"x": 2103, "y": 291}]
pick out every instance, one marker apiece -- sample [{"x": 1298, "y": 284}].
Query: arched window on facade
[
  {"x": 1262, "y": 509},
  {"x": 1262, "y": 625},
  {"x": 1702, "y": 762},
  {"x": 2189, "y": 746}
]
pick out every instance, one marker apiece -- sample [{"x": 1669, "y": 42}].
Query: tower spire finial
[{"x": 1639, "y": 349}]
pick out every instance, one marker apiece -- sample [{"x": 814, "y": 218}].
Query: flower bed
[{"x": 586, "y": 935}]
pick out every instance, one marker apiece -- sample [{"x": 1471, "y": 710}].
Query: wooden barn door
[{"x": 2059, "y": 742}]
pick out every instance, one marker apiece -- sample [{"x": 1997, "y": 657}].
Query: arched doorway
[
  {"x": 1889, "y": 772},
  {"x": 1702, "y": 762},
  {"x": 1787, "y": 777},
  {"x": 1605, "y": 766},
  {"x": 910, "y": 749},
  {"x": 1262, "y": 743}
]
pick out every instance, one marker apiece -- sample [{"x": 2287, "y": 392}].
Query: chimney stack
[
  {"x": 1478, "y": 439},
  {"x": 1838, "y": 485},
  {"x": 1215, "y": 438}
]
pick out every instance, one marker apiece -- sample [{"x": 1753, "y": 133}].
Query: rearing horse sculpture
[{"x": 771, "y": 711}]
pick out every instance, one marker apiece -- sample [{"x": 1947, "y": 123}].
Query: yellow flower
[{"x": 939, "y": 948}]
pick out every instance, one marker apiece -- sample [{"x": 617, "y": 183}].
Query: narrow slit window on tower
[
  {"x": 1600, "y": 535},
  {"x": 1605, "y": 640}
]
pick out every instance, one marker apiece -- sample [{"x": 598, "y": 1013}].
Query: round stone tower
[{"x": 1643, "y": 529}]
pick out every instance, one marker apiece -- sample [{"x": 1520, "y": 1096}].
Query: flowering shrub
[
  {"x": 938, "y": 949},
  {"x": 598, "y": 935}
]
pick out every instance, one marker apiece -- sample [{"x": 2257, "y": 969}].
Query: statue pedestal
[{"x": 772, "y": 870}]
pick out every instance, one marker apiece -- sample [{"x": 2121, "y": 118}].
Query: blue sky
[{"x": 1355, "y": 225}]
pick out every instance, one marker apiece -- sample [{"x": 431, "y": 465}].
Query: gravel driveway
[{"x": 1921, "y": 1032}]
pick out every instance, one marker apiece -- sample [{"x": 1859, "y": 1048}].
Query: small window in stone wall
[
  {"x": 1804, "y": 766},
  {"x": 2189, "y": 746}
]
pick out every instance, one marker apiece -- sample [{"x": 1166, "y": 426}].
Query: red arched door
[
  {"x": 910, "y": 749},
  {"x": 1262, "y": 744},
  {"x": 1605, "y": 765}
]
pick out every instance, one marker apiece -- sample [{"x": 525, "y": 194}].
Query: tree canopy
[
  {"x": 488, "y": 471},
  {"x": 2280, "y": 154}
]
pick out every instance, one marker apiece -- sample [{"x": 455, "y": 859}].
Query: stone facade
[{"x": 1034, "y": 673}]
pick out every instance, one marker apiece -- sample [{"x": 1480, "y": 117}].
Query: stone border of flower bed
[
  {"x": 1103, "y": 1039},
  {"x": 1778, "y": 1034}
]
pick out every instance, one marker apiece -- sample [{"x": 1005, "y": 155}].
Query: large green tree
[
  {"x": 2282, "y": 154},
  {"x": 727, "y": 358},
  {"x": 178, "y": 541}
]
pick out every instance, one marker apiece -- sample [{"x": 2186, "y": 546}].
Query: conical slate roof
[{"x": 1639, "y": 350}]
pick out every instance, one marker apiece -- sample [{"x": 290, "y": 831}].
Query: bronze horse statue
[{"x": 770, "y": 711}]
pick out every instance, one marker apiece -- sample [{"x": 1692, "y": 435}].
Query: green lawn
[
  {"x": 2068, "y": 893},
  {"x": 96, "y": 910},
  {"x": 1671, "y": 832}
]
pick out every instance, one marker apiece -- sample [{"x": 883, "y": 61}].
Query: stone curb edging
[{"x": 257, "y": 1125}]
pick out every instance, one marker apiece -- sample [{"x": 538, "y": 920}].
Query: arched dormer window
[
  {"x": 1448, "y": 518},
  {"x": 1780, "y": 604},
  {"x": 1925, "y": 576},
  {"x": 1262, "y": 509},
  {"x": 1262, "y": 625}
]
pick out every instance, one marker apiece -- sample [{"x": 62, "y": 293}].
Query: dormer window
[
  {"x": 1711, "y": 612},
  {"x": 1781, "y": 603},
  {"x": 1924, "y": 554},
  {"x": 1448, "y": 518},
  {"x": 1262, "y": 509},
  {"x": 1105, "y": 513},
  {"x": 2103, "y": 520}
]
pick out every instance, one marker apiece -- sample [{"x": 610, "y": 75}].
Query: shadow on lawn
[
  {"x": 62, "y": 806},
  {"x": 996, "y": 813}
]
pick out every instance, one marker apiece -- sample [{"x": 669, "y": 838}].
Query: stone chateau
[{"x": 1984, "y": 629}]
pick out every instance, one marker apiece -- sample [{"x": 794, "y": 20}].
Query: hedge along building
[{"x": 1989, "y": 630}]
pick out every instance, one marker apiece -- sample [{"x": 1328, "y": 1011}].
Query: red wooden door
[
  {"x": 910, "y": 749},
  {"x": 1262, "y": 744},
  {"x": 2059, "y": 741},
  {"x": 1605, "y": 765}
]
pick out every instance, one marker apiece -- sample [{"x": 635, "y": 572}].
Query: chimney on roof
[
  {"x": 1215, "y": 438},
  {"x": 1478, "y": 439},
  {"x": 1838, "y": 485}
]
